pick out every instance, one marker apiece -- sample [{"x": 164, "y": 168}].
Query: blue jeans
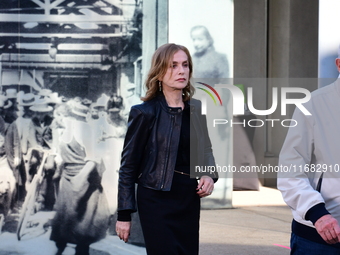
[{"x": 302, "y": 246}]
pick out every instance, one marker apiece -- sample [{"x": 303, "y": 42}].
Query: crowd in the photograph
[{"x": 70, "y": 131}]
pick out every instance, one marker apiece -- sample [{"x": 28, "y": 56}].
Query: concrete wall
[{"x": 274, "y": 39}]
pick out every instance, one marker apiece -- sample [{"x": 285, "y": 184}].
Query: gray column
[
  {"x": 274, "y": 39},
  {"x": 292, "y": 56},
  {"x": 155, "y": 29},
  {"x": 250, "y": 58}
]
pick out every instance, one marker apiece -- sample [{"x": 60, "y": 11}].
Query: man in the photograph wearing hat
[
  {"x": 11, "y": 112},
  {"x": 20, "y": 140},
  {"x": 24, "y": 121},
  {"x": 49, "y": 97},
  {"x": 42, "y": 120}
]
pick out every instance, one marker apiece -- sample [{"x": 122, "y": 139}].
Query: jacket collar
[{"x": 165, "y": 106}]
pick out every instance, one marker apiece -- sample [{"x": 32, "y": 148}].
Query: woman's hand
[
  {"x": 205, "y": 186},
  {"x": 123, "y": 230}
]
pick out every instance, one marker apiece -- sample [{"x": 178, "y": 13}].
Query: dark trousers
[{"x": 302, "y": 246}]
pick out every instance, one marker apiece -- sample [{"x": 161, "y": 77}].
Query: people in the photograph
[
  {"x": 310, "y": 188},
  {"x": 208, "y": 63},
  {"x": 82, "y": 214},
  {"x": 157, "y": 150}
]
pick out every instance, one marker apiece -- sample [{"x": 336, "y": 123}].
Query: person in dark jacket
[{"x": 166, "y": 138}]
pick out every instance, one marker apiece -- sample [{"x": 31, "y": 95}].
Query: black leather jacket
[{"x": 151, "y": 144}]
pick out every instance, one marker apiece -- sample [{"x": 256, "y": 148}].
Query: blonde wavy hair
[{"x": 161, "y": 60}]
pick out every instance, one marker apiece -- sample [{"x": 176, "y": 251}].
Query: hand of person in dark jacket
[
  {"x": 123, "y": 230},
  {"x": 205, "y": 186}
]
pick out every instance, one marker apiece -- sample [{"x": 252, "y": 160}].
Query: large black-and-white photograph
[{"x": 69, "y": 72}]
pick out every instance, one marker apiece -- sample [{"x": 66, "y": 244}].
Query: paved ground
[
  {"x": 258, "y": 224},
  {"x": 250, "y": 230}
]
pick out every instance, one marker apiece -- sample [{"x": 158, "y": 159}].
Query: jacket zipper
[
  {"x": 192, "y": 116},
  {"x": 168, "y": 152}
]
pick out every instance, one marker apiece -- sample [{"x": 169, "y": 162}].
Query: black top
[{"x": 183, "y": 152}]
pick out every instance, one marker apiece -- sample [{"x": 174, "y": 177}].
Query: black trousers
[{"x": 170, "y": 219}]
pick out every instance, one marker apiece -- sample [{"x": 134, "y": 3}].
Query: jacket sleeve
[
  {"x": 209, "y": 159},
  {"x": 205, "y": 143},
  {"x": 133, "y": 150},
  {"x": 296, "y": 154}
]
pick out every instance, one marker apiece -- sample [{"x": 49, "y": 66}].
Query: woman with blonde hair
[{"x": 157, "y": 156}]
